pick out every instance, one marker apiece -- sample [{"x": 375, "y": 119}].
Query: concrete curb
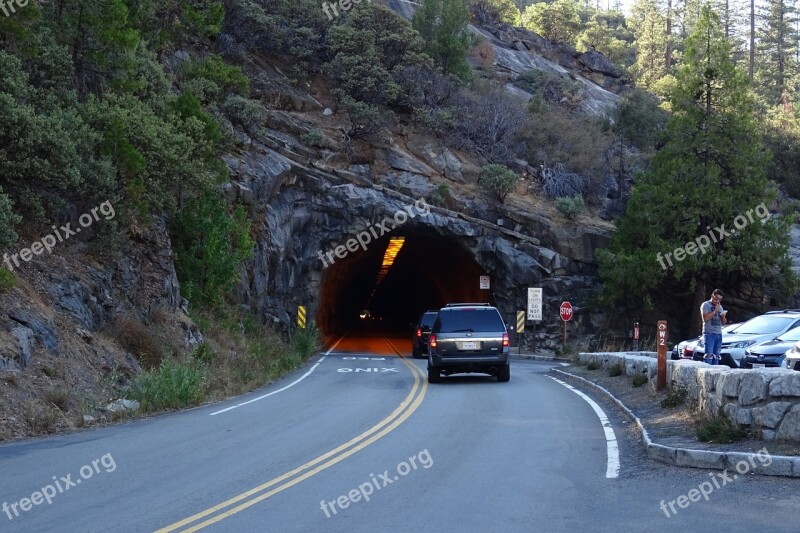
[
  {"x": 539, "y": 358},
  {"x": 781, "y": 465}
]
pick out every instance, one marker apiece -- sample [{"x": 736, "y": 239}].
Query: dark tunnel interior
[{"x": 429, "y": 271}]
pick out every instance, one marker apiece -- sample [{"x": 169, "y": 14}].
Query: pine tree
[
  {"x": 699, "y": 190},
  {"x": 649, "y": 27},
  {"x": 777, "y": 53},
  {"x": 443, "y": 26}
]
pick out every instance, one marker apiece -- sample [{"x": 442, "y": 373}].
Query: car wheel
[
  {"x": 415, "y": 354},
  {"x": 434, "y": 375},
  {"x": 504, "y": 373}
]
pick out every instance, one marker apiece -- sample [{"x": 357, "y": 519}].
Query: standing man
[{"x": 713, "y": 318}]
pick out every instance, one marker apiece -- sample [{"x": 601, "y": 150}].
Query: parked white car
[{"x": 792, "y": 359}]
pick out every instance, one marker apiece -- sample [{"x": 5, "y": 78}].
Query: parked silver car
[{"x": 755, "y": 331}]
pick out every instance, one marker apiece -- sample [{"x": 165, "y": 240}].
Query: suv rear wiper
[{"x": 462, "y": 330}]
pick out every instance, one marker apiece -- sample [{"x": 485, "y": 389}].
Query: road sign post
[
  {"x": 520, "y": 329},
  {"x": 635, "y": 336},
  {"x": 301, "y": 316},
  {"x": 534, "y": 310},
  {"x": 566, "y": 316},
  {"x": 661, "y": 377}
]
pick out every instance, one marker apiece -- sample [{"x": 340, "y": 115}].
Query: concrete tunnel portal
[{"x": 429, "y": 271}]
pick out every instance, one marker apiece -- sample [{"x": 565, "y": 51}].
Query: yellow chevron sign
[
  {"x": 301, "y": 316},
  {"x": 520, "y": 321}
]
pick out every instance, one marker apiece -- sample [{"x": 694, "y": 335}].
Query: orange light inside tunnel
[{"x": 395, "y": 244}]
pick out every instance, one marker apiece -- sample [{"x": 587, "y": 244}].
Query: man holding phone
[{"x": 714, "y": 317}]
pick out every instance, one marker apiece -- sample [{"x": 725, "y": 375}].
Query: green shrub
[
  {"x": 592, "y": 366},
  {"x": 7, "y": 280},
  {"x": 170, "y": 386},
  {"x": 249, "y": 114},
  {"x": 639, "y": 380},
  {"x": 720, "y": 429},
  {"x": 8, "y": 219},
  {"x": 305, "y": 342},
  {"x": 441, "y": 194},
  {"x": 616, "y": 370},
  {"x": 498, "y": 181},
  {"x": 570, "y": 207},
  {"x": 210, "y": 244},
  {"x": 204, "y": 353},
  {"x": 220, "y": 79},
  {"x": 314, "y": 137},
  {"x": 550, "y": 88},
  {"x": 675, "y": 397}
]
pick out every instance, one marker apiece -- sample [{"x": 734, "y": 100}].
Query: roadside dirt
[{"x": 676, "y": 426}]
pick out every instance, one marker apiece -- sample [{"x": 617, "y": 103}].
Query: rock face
[
  {"x": 302, "y": 213},
  {"x": 89, "y": 294}
]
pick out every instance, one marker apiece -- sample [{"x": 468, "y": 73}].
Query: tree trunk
[
  {"x": 752, "y": 39},
  {"x": 696, "y": 326},
  {"x": 668, "y": 54}
]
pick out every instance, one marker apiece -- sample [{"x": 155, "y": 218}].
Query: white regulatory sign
[
  {"x": 484, "y": 282},
  {"x": 534, "y": 303}
]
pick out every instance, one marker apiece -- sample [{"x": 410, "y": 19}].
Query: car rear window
[
  {"x": 428, "y": 319},
  {"x": 470, "y": 319}
]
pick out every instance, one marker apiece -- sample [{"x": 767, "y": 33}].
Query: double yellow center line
[{"x": 260, "y": 493}]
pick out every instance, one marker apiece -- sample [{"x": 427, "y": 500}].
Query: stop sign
[{"x": 566, "y": 311}]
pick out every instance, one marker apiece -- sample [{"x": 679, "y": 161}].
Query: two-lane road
[{"x": 358, "y": 441}]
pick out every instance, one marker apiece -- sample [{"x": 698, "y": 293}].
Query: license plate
[
  {"x": 758, "y": 365},
  {"x": 469, "y": 345}
]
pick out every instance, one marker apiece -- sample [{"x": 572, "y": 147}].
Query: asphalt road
[{"x": 358, "y": 441}]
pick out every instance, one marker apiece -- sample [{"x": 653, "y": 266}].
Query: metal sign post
[
  {"x": 661, "y": 378},
  {"x": 520, "y": 329},
  {"x": 566, "y": 316},
  {"x": 534, "y": 309}
]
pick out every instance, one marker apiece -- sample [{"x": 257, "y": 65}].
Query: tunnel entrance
[{"x": 429, "y": 271}]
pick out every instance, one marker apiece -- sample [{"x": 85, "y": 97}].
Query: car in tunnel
[
  {"x": 422, "y": 329},
  {"x": 466, "y": 338}
]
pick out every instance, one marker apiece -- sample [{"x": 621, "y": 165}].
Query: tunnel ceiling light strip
[{"x": 395, "y": 244}]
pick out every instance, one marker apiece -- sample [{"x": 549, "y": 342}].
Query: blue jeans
[{"x": 713, "y": 346}]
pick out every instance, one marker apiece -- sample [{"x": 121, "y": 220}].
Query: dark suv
[
  {"x": 419, "y": 343},
  {"x": 468, "y": 338}
]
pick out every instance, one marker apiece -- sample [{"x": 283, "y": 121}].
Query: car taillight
[
  {"x": 419, "y": 332},
  {"x": 432, "y": 341},
  {"x": 505, "y": 339}
]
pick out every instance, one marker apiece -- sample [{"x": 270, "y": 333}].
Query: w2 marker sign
[{"x": 661, "y": 341}]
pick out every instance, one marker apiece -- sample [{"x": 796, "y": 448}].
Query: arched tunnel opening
[{"x": 429, "y": 271}]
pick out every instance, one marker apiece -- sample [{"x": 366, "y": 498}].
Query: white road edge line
[
  {"x": 292, "y": 384},
  {"x": 612, "y": 470}
]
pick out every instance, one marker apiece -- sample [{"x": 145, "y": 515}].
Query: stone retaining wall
[{"x": 765, "y": 399}]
